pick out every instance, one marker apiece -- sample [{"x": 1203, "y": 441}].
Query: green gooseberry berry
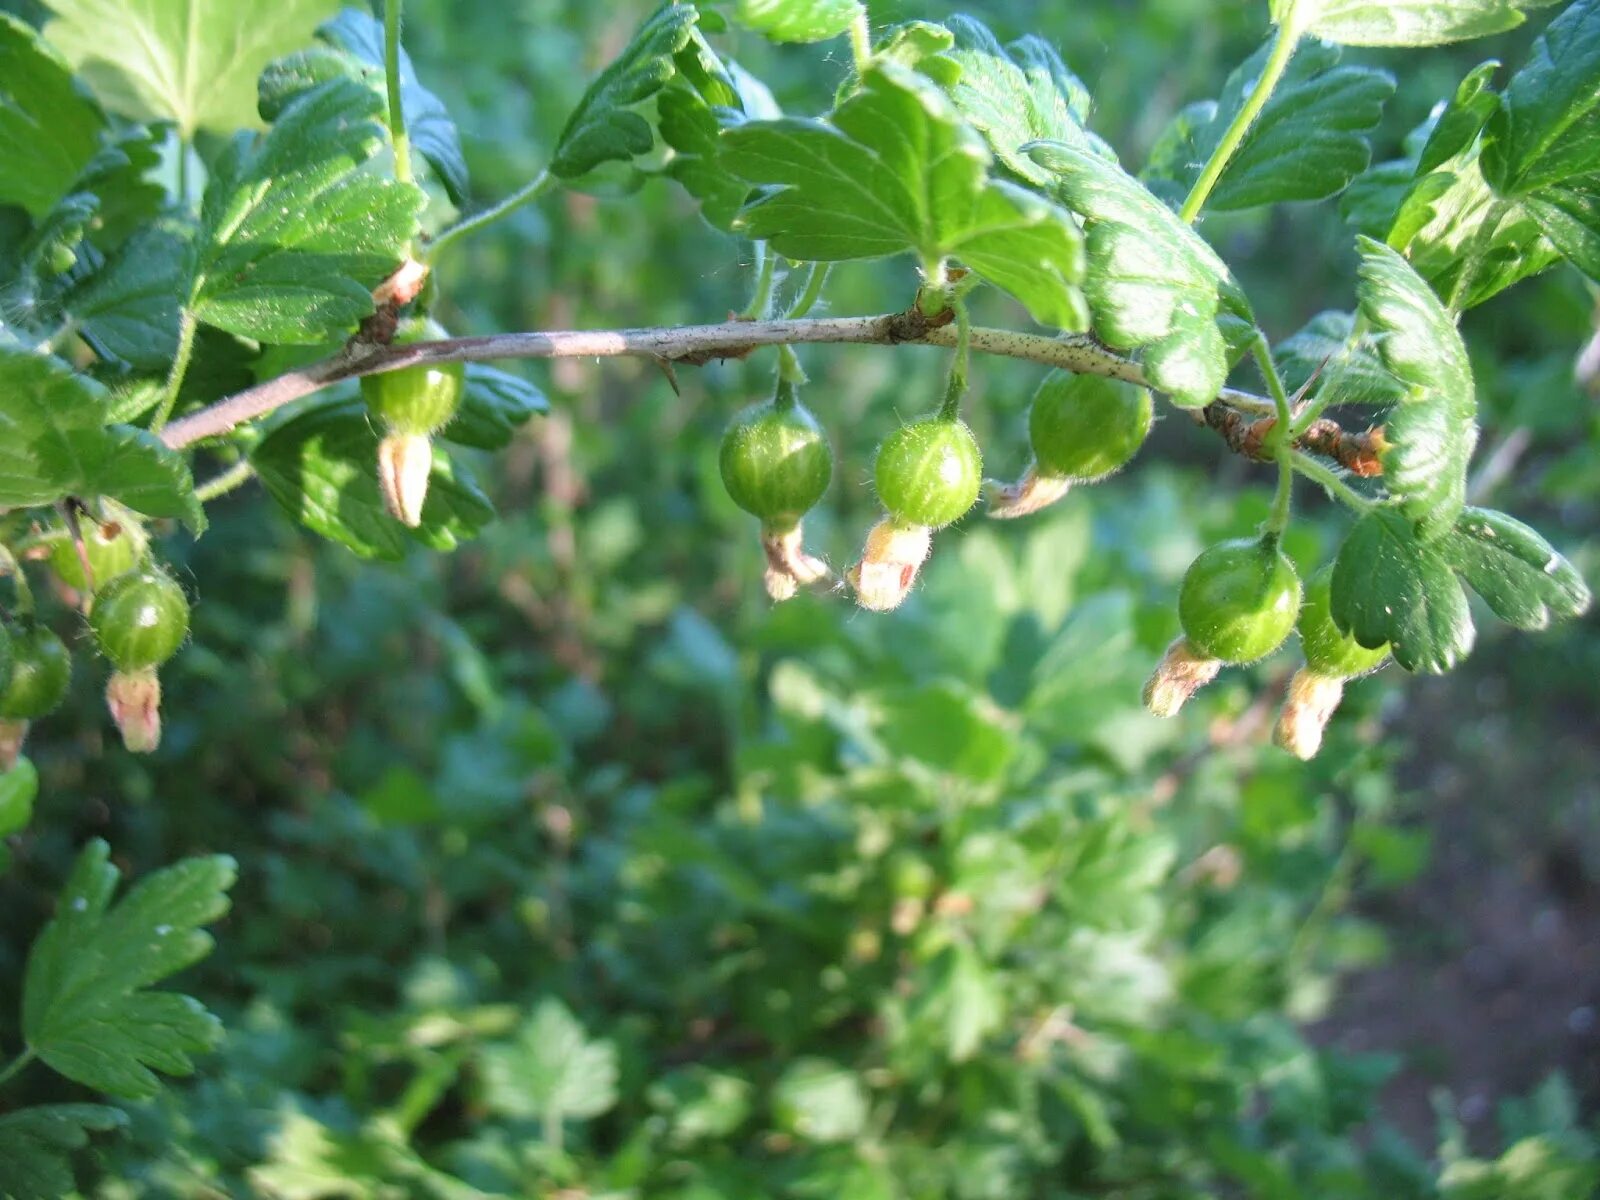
[
  {"x": 140, "y": 619},
  {"x": 775, "y": 461},
  {"x": 1239, "y": 600},
  {"x": 1084, "y": 427},
  {"x": 41, "y": 669},
  {"x": 416, "y": 400},
  {"x": 929, "y": 472},
  {"x": 1329, "y": 650},
  {"x": 112, "y": 547}
]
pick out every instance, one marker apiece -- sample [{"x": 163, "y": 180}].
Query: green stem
[
  {"x": 789, "y": 368},
  {"x": 235, "y": 476},
  {"x": 532, "y": 190},
  {"x": 807, "y": 300},
  {"x": 391, "y": 75},
  {"x": 861, "y": 42},
  {"x": 1277, "y": 440},
  {"x": 1324, "y": 475},
  {"x": 15, "y": 1066},
  {"x": 1477, "y": 251},
  {"x": 957, "y": 387},
  {"x": 760, "y": 305},
  {"x": 183, "y": 172},
  {"x": 180, "y": 367},
  {"x": 1278, "y": 57}
]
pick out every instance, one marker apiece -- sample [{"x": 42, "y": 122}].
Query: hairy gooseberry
[
  {"x": 112, "y": 547},
  {"x": 41, "y": 669},
  {"x": 1081, "y": 428},
  {"x": 1239, "y": 600},
  {"x": 776, "y": 462},
  {"x": 416, "y": 400},
  {"x": 928, "y": 472},
  {"x": 140, "y": 619}
]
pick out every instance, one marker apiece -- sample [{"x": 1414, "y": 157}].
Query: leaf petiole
[{"x": 16, "y": 1065}]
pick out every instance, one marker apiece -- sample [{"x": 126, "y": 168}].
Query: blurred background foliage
[{"x": 570, "y": 867}]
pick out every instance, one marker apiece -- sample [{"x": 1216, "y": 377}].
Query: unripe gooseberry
[
  {"x": 776, "y": 462},
  {"x": 416, "y": 400},
  {"x": 41, "y": 669},
  {"x": 1330, "y": 651},
  {"x": 1084, "y": 427},
  {"x": 1239, "y": 600},
  {"x": 112, "y": 548},
  {"x": 140, "y": 619},
  {"x": 929, "y": 472}
]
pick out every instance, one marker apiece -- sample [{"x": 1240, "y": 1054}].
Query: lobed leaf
[
  {"x": 1352, "y": 370},
  {"x": 1547, "y": 129},
  {"x": 129, "y": 310},
  {"x": 321, "y": 468},
  {"x": 86, "y": 1007},
  {"x": 295, "y": 231},
  {"x": 36, "y": 1144},
  {"x": 551, "y": 1070},
  {"x": 1401, "y": 22},
  {"x": 1518, "y": 574},
  {"x": 1433, "y": 431},
  {"x": 193, "y": 62},
  {"x": 896, "y": 169},
  {"x": 798, "y": 20},
  {"x": 1390, "y": 587},
  {"x": 1012, "y": 94},
  {"x": 603, "y": 127},
  {"x": 55, "y": 442},
  {"x": 49, "y": 131},
  {"x": 1152, "y": 281}
]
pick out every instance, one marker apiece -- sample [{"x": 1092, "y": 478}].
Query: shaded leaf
[
  {"x": 129, "y": 310},
  {"x": 36, "y": 1144},
  {"x": 193, "y": 62},
  {"x": 494, "y": 406},
  {"x": 1353, "y": 374},
  {"x": 1389, "y": 587},
  {"x": 86, "y": 1007},
  {"x": 321, "y": 468},
  {"x": 48, "y": 130}
]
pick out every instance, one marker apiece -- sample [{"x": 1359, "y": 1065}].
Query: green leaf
[
  {"x": 1307, "y": 144},
  {"x": 819, "y": 1101},
  {"x": 1152, "y": 282},
  {"x": 1012, "y": 95},
  {"x": 604, "y": 128},
  {"x": 193, "y": 62},
  {"x": 54, "y": 442},
  {"x": 494, "y": 406},
  {"x": 295, "y": 231},
  {"x": 36, "y": 1144},
  {"x": 1518, "y": 574},
  {"x": 48, "y": 130},
  {"x": 19, "y": 788},
  {"x": 87, "y": 1009},
  {"x": 798, "y": 20},
  {"x": 1401, "y": 22},
  {"x": 1432, "y": 432},
  {"x": 1568, "y": 215},
  {"x": 898, "y": 170},
  {"x": 1389, "y": 587},
  {"x": 1548, "y": 127},
  {"x": 129, "y": 310},
  {"x": 428, "y": 123},
  {"x": 1353, "y": 374},
  {"x": 1463, "y": 118},
  {"x": 551, "y": 1071},
  {"x": 321, "y": 466}
]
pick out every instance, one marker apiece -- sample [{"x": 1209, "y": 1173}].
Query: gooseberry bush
[{"x": 225, "y": 241}]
